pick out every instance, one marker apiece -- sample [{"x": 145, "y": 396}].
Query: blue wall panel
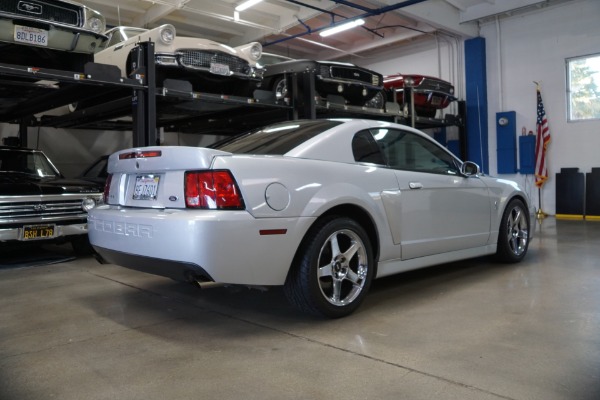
[
  {"x": 506, "y": 142},
  {"x": 476, "y": 103},
  {"x": 527, "y": 154}
]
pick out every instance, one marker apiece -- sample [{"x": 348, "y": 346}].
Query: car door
[{"x": 440, "y": 210}]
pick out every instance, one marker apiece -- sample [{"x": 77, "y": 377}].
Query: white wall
[
  {"x": 533, "y": 47},
  {"x": 521, "y": 49}
]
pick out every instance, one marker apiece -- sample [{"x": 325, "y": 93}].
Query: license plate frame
[
  {"x": 436, "y": 100},
  {"x": 146, "y": 187},
  {"x": 38, "y": 232},
  {"x": 219, "y": 69},
  {"x": 29, "y": 35}
]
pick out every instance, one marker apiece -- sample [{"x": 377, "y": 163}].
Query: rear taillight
[
  {"x": 212, "y": 190},
  {"x": 107, "y": 188}
]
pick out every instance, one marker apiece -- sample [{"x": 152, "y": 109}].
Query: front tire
[
  {"x": 513, "y": 238},
  {"x": 333, "y": 269}
]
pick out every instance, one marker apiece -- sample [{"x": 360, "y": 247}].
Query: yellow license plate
[{"x": 37, "y": 232}]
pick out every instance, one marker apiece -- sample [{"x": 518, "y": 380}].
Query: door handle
[{"x": 415, "y": 185}]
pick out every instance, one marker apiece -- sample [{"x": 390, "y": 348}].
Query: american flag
[{"x": 541, "y": 143}]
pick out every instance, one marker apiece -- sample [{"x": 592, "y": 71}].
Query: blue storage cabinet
[
  {"x": 506, "y": 142},
  {"x": 527, "y": 154}
]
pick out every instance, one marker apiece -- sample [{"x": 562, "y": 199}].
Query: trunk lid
[{"x": 153, "y": 177}]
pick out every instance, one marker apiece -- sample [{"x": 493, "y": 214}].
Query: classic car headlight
[
  {"x": 167, "y": 34},
  {"x": 375, "y": 80},
  {"x": 87, "y": 204},
  {"x": 96, "y": 24},
  {"x": 409, "y": 81},
  {"x": 256, "y": 51}
]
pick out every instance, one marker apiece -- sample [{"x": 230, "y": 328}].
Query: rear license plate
[
  {"x": 26, "y": 34},
  {"x": 146, "y": 187},
  {"x": 36, "y": 232},
  {"x": 219, "y": 69}
]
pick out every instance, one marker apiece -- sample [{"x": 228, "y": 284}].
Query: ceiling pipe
[{"x": 369, "y": 13}]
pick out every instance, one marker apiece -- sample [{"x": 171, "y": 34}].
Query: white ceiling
[{"x": 285, "y": 26}]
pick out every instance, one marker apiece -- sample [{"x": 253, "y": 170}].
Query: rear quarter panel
[{"x": 314, "y": 187}]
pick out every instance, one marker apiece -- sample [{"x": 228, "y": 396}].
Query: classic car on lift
[
  {"x": 209, "y": 66},
  {"x": 38, "y": 204},
  {"x": 355, "y": 85},
  {"x": 430, "y": 94},
  {"x": 57, "y": 34},
  {"x": 321, "y": 207}
]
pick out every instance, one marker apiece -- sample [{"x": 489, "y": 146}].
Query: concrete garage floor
[{"x": 467, "y": 330}]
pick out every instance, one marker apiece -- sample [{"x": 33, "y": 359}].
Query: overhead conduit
[{"x": 369, "y": 13}]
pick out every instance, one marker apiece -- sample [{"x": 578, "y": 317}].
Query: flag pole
[
  {"x": 540, "y": 214},
  {"x": 542, "y": 140}
]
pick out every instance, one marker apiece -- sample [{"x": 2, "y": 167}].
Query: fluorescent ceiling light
[
  {"x": 247, "y": 4},
  {"x": 342, "y": 27}
]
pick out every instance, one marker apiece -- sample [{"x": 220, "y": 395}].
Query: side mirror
[{"x": 469, "y": 168}]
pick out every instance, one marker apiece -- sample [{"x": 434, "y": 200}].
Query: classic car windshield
[
  {"x": 276, "y": 139},
  {"x": 12, "y": 161}
]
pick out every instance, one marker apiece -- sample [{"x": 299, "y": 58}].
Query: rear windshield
[{"x": 276, "y": 139}]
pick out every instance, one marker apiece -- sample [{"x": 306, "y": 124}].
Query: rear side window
[
  {"x": 365, "y": 149},
  {"x": 276, "y": 139}
]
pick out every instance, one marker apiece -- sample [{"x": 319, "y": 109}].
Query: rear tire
[
  {"x": 513, "y": 237},
  {"x": 280, "y": 90},
  {"x": 333, "y": 269}
]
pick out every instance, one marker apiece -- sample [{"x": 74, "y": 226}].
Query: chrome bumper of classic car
[
  {"x": 220, "y": 64},
  {"x": 349, "y": 82},
  {"x": 58, "y": 37},
  {"x": 57, "y": 231}
]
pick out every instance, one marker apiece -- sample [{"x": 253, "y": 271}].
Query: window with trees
[{"x": 583, "y": 92}]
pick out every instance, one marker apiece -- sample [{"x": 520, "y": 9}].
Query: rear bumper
[
  {"x": 177, "y": 270},
  {"x": 221, "y": 246}
]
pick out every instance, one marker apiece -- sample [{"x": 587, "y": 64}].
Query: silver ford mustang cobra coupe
[{"x": 321, "y": 207}]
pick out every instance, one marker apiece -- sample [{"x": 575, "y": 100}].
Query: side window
[
  {"x": 365, "y": 149},
  {"x": 408, "y": 151}
]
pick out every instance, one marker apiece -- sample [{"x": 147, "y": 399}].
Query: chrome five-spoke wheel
[
  {"x": 513, "y": 240},
  {"x": 333, "y": 269},
  {"x": 343, "y": 267}
]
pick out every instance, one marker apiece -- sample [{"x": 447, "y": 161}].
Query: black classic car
[
  {"x": 352, "y": 84},
  {"x": 58, "y": 34},
  {"x": 38, "y": 204}
]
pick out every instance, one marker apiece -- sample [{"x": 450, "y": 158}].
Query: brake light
[
  {"x": 107, "y": 188},
  {"x": 212, "y": 190},
  {"x": 140, "y": 154}
]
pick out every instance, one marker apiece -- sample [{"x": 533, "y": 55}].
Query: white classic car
[
  {"x": 321, "y": 207},
  {"x": 49, "y": 34},
  {"x": 209, "y": 66}
]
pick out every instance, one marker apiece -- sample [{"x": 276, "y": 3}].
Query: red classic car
[{"x": 430, "y": 94}]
